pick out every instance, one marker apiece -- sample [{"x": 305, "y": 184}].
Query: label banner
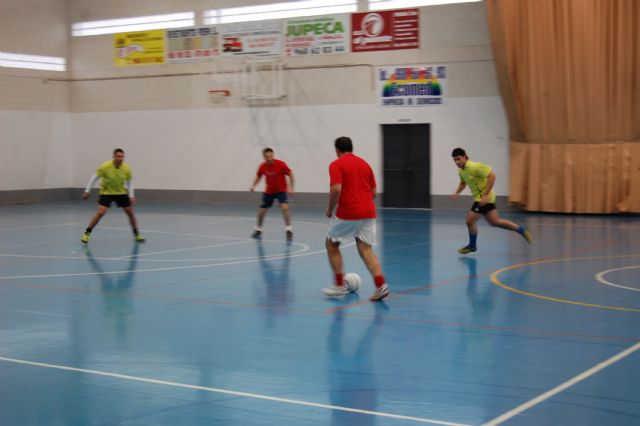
[
  {"x": 139, "y": 48},
  {"x": 192, "y": 44},
  {"x": 320, "y": 35},
  {"x": 252, "y": 38},
  {"x": 385, "y": 30},
  {"x": 411, "y": 85}
]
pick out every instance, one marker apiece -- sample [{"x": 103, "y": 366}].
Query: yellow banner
[{"x": 139, "y": 48}]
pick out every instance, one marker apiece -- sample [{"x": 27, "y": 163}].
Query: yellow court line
[{"x": 496, "y": 281}]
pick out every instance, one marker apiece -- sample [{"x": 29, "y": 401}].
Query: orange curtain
[{"x": 569, "y": 76}]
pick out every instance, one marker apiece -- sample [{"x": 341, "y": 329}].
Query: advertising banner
[
  {"x": 139, "y": 48},
  {"x": 252, "y": 38},
  {"x": 412, "y": 85},
  {"x": 385, "y": 30},
  {"x": 318, "y": 35},
  {"x": 192, "y": 44}
]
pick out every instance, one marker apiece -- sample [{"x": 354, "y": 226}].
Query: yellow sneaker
[
  {"x": 467, "y": 250},
  {"x": 527, "y": 234}
]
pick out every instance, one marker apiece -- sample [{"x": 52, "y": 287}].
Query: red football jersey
[
  {"x": 358, "y": 186},
  {"x": 275, "y": 176}
]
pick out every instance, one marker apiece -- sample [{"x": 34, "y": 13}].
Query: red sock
[
  {"x": 339, "y": 280},
  {"x": 379, "y": 280}
]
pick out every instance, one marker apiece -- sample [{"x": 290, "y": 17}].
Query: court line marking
[
  {"x": 496, "y": 281},
  {"x": 453, "y": 280},
  {"x": 151, "y": 253},
  {"x": 172, "y": 268},
  {"x": 600, "y": 277},
  {"x": 36, "y": 227},
  {"x": 229, "y": 392},
  {"x": 460, "y": 325},
  {"x": 561, "y": 387},
  {"x": 304, "y": 248},
  {"x": 24, "y": 311}
]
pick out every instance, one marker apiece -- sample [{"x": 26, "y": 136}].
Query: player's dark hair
[
  {"x": 264, "y": 151},
  {"x": 117, "y": 150},
  {"x": 344, "y": 144},
  {"x": 458, "y": 152}
]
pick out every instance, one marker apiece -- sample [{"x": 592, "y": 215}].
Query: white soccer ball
[{"x": 353, "y": 281}]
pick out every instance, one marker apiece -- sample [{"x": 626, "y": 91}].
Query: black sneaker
[
  {"x": 289, "y": 235},
  {"x": 256, "y": 234}
]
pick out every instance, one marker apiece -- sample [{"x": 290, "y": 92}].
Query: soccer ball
[{"x": 353, "y": 281}]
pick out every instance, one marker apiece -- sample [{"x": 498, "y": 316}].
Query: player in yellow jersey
[
  {"x": 480, "y": 179},
  {"x": 115, "y": 186}
]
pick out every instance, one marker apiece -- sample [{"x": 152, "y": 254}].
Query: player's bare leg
[
  {"x": 335, "y": 257},
  {"x": 472, "y": 219},
  {"x": 287, "y": 220},
  {"x": 286, "y": 213},
  {"x": 369, "y": 258},
  {"x": 373, "y": 264},
  {"x": 339, "y": 288},
  {"x": 132, "y": 217},
  {"x": 259, "y": 221},
  {"x": 102, "y": 210},
  {"x": 495, "y": 220},
  {"x": 134, "y": 223},
  {"x": 493, "y": 217},
  {"x": 261, "y": 214}
]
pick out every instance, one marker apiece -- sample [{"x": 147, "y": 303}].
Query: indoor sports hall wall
[
  {"x": 35, "y": 126},
  {"x": 177, "y": 139}
]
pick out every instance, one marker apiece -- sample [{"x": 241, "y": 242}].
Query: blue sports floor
[{"x": 202, "y": 325}]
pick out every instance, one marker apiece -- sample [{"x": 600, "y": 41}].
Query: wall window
[
  {"x": 398, "y": 4},
  {"x": 138, "y": 23},
  {"x": 34, "y": 62},
  {"x": 289, "y": 9}
]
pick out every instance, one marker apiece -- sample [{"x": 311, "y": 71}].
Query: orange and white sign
[{"x": 385, "y": 30}]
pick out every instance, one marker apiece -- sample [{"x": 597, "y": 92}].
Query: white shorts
[{"x": 342, "y": 231}]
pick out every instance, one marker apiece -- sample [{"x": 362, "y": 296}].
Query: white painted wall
[
  {"x": 220, "y": 149},
  {"x": 35, "y": 150}
]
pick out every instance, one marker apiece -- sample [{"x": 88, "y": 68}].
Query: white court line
[
  {"x": 38, "y": 313},
  {"x": 183, "y": 234},
  {"x": 231, "y": 392},
  {"x": 580, "y": 377},
  {"x": 252, "y": 218},
  {"x": 173, "y": 268},
  {"x": 185, "y": 249},
  {"x": 304, "y": 249},
  {"x": 36, "y": 227},
  {"x": 600, "y": 277}
]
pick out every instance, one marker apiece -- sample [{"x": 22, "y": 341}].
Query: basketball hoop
[
  {"x": 220, "y": 93},
  {"x": 218, "y": 96}
]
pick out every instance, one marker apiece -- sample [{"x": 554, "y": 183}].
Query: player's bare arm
[
  {"x": 291, "y": 183},
  {"x": 461, "y": 187},
  {"x": 334, "y": 196},
  {"x": 255, "y": 182}
]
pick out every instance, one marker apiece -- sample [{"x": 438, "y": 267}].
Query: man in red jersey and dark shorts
[
  {"x": 275, "y": 172},
  {"x": 353, "y": 215}
]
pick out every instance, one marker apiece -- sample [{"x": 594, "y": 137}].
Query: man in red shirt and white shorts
[
  {"x": 353, "y": 215},
  {"x": 275, "y": 172}
]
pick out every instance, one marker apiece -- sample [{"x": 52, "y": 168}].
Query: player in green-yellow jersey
[
  {"x": 115, "y": 186},
  {"x": 480, "y": 179}
]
